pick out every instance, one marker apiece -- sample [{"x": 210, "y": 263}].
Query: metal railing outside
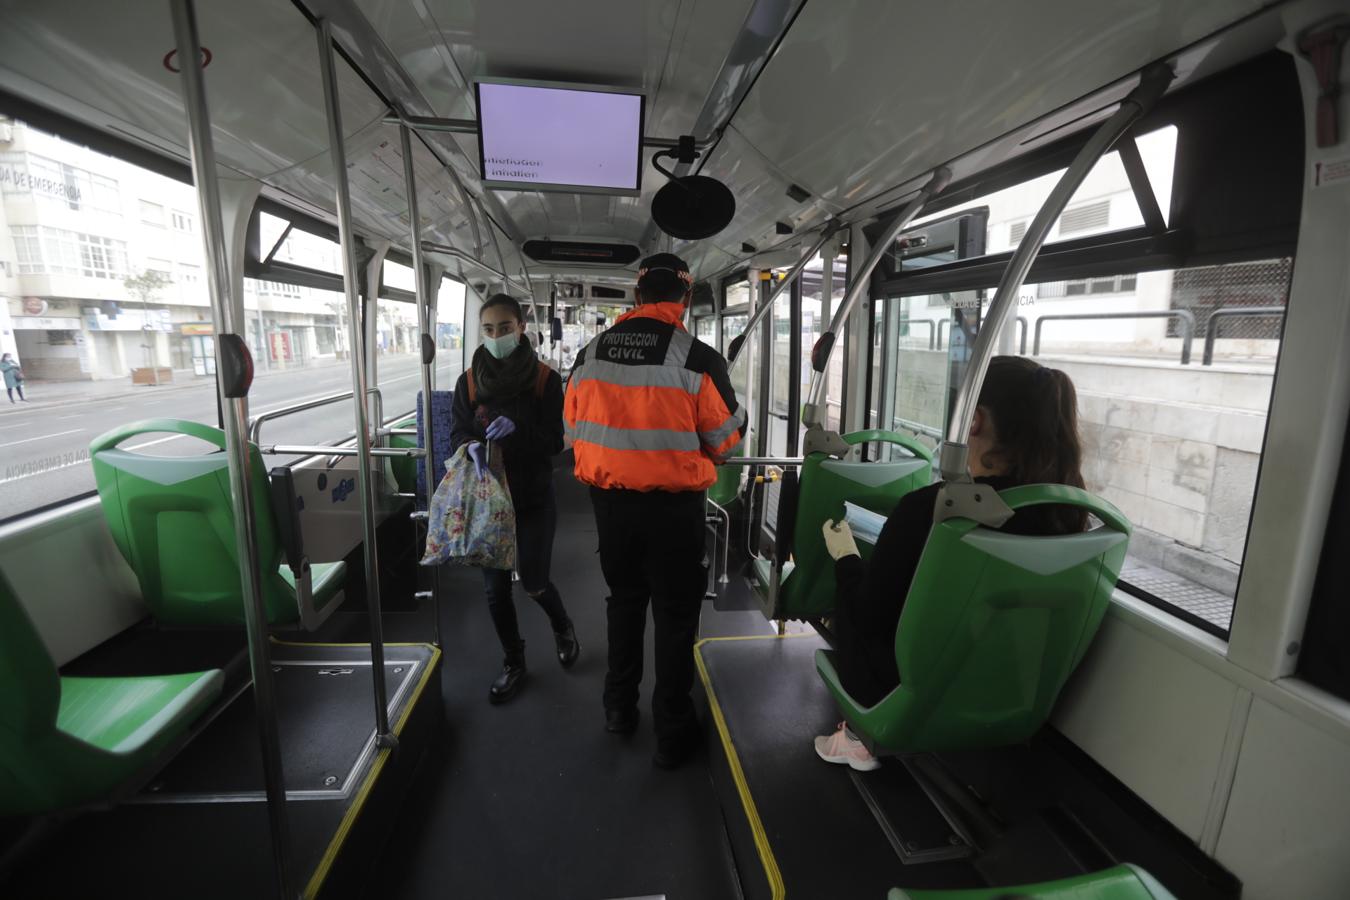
[
  {"x": 944, "y": 327},
  {"x": 255, "y": 427},
  {"x": 1235, "y": 312},
  {"x": 932, "y": 329},
  {"x": 1183, "y": 316}
]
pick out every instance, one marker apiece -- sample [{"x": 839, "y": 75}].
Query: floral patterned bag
[{"x": 471, "y": 521}]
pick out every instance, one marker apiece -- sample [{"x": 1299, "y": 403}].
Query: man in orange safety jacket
[{"x": 651, "y": 412}]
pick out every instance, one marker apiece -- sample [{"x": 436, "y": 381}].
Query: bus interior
[{"x": 242, "y": 290}]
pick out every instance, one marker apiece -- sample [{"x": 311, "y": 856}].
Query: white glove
[{"x": 839, "y": 539}]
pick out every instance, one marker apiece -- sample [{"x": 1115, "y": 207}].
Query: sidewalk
[{"x": 54, "y": 393}]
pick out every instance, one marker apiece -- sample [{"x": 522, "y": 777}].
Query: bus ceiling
[{"x": 759, "y": 82}]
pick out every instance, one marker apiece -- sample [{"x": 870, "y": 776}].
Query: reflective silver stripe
[
  {"x": 677, "y": 354},
  {"x": 637, "y": 376},
  {"x": 635, "y": 438},
  {"x": 718, "y": 436}
]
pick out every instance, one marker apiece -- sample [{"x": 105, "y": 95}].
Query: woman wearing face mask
[
  {"x": 1025, "y": 431},
  {"x": 512, "y": 400}
]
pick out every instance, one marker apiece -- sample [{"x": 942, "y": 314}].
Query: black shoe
[
  {"x": 621, "y": 721},
  {"x": 507, "y": 683},
  {"x": 569, "y": 648},
  {"x": 673, "y": 752}
]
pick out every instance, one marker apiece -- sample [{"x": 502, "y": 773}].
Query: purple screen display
[{"x": 553, "y": 136}]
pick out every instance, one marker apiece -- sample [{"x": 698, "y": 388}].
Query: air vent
[{"x": 578, "y": 252}]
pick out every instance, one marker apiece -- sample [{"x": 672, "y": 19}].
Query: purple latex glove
[
  {"x": 499, "y": 428},
  {"x": 478, "y": 453}
]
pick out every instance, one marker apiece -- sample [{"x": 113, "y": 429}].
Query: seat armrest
[{"x": 287, "y": 512}]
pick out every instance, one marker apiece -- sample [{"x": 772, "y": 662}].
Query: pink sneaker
[{"x": 843, "y": 748}]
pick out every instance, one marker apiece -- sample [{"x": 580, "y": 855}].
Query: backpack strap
[{"x": 473, "y": 391}]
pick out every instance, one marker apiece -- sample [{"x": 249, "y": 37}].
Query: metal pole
[
  {"x": 350, "y": 277},
  {"x": 735, "y": 349},
  {"x": 812, "y": 413},
  {"x": 442, "y": 249},
  {"x": 826, "y": 306},
  {"x": 1152, "y": 84},
  {"x": 428, "y": 359},
  {"x": 234, "y": 419}
]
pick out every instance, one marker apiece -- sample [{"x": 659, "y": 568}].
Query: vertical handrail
[
  {"x": 1152, "y": 84},
  {"x": 1233, "y": 312},
  {"x": 428, "y": 351},
  {"x": 350, "y": 282},
  {"x": 861, "y": 282},
  {"x": 739, "y": 342},
  {"x": 234, "y": 413}
]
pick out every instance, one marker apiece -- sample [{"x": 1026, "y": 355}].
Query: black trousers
[
  {"x": 651, "y": 550},
  {"x": 534, "y": 557}
]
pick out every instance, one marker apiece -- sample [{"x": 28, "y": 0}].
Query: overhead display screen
[{"x": 542, "y": 137}]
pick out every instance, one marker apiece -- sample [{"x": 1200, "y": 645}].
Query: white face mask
[{"x": 502, "y": 347}]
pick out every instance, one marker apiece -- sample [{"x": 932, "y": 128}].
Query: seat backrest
[
  {"x": 173, "y": 520},
  {"x": 442, "y": 411},
  {"x": 30, "y": 690},
  {"x": 995, "y": 623},
  {"x": 823, "y": 487},
  {"x": 404, "y": 468},
  {"x": 728, "y": 483}
]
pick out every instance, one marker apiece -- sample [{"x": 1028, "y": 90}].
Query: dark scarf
[{"x": 503, "y": 379}]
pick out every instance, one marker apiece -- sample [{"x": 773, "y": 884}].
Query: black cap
[{"x": 663, "y": 277}]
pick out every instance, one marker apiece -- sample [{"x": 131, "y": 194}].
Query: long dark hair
[
  {"x": 1034, "y": 410},
  {"x": 507, "y": 301}
]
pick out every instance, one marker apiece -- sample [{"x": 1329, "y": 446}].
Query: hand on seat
[
  {"x": 478, "y": 453},
  {"x": 499, "y": 428},
  {"x": 839, "y": 539}
]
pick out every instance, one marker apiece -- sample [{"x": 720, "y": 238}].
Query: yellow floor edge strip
[
  {"x": 368, "y": 784},
  {"x": 766, "y": 857}
]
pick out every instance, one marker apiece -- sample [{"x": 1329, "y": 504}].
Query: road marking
[
  {"x": 78, "y": 462},
  {"x": 165, "y": 440},
  {"x": 42, "y": 437}
]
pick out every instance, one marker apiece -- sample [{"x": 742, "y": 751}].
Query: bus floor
[{"x": 534, "y": 798}]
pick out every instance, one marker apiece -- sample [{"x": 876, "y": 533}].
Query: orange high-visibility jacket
[{"x": 650, "y": 407}]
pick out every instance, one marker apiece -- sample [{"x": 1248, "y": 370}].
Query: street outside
[{"x": 44, "y": 443}]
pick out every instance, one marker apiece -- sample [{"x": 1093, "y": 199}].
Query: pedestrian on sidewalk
[{"x": 13, "y": 377}]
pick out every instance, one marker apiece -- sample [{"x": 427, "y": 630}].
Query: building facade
[{"x": 75, "y": 225}]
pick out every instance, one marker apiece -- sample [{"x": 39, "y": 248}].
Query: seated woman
[{"x": 1025, "y": 431}]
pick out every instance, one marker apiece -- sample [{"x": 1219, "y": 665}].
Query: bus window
[
  {"x": 1176, "y": 447},
  {"x": 105, "y": 310}
]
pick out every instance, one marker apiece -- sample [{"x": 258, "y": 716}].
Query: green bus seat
[
  {"x": 992, "y": 628},
  {"x": 404, "y": 467},
  {"x": 799, "y": 582},
  {"x": 69, "y": 741},
  {"x": 728, "y": 484},
  {"x": 721, "y": 495},
  {"x": 172, "y": 518},
  {"x": 1123, "y": 882}
]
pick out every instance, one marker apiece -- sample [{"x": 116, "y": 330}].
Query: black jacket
[
  {"x": 871, "y": 595},
  {"x": 527, "y": 453}
]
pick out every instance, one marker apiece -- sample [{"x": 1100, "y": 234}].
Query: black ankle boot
[
  {"x": 508, "y": 683},
  {"x": 569, "y": 648}
]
